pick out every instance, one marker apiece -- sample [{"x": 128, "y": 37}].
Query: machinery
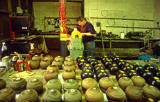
[
  {"x": 76, "y": 44},
  {"x": 19, "y": 26}
]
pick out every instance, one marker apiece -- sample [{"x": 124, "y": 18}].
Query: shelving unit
[
  {"x": 132, "y": 27},
  {"x": 4, "y": 11},
  {"x": 122, "y": 19}
]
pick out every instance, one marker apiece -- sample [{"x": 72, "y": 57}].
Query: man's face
[{"x": 81, "y": 23}]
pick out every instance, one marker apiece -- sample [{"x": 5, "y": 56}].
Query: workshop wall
[
  {"x": 124, "y": 9},
  {"x": 46, "y": 12},
  {"x": 157, "y": 17}
]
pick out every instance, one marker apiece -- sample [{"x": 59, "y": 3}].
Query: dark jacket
[{"x": 87, "y": 28}]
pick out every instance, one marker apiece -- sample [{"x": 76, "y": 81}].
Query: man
[{"x": 89, "y": 34}]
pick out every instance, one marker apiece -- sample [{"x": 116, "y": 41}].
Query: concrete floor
[{"x": 39, "y": 74}]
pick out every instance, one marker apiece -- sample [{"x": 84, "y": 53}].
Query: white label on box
[{"x": 24, "y": 27}]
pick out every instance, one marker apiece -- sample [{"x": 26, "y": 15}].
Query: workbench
[{"x": 121, "y": 47}]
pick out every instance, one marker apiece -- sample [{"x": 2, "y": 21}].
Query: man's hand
[
  {"x": 88, "y": 34},
  {"x": 69, "y": 38}
]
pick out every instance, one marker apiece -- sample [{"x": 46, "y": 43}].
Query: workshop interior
[{"x": 79, "y": 51}]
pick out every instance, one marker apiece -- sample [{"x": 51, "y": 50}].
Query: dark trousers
[{"x": 89, "y": 48}]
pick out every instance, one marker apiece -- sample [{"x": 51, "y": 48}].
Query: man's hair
[{"x": 81, "y": 19}]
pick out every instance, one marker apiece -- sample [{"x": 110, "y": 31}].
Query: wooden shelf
[
  {"x": 131, "y": 27},
  {"x": 4, "y": 11},
  {"x": 119, "y": 40},
  {"x": 122, "y": 19}
]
